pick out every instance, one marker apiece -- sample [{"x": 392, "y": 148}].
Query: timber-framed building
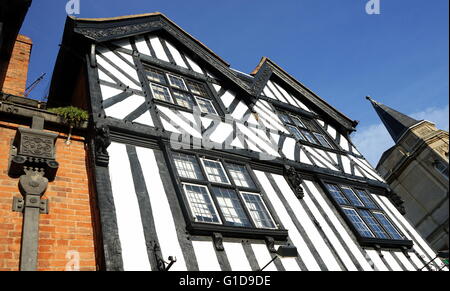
[{"x": 193, "y": 160}]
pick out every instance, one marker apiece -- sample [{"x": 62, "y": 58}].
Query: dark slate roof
[{"x": 395, "y": 122}]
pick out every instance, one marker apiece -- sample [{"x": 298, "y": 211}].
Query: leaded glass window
[
  {"x": 184, "y": 99},
  {"x": 161, "y": 92},
  {"x": 258, "y": 210},
  {"x": 201, "y": 204},
  {"x": 177, "y": 82},
  {"x": 221, "y": 192},
  {"x": 205, "y": 105},
  {"x": 231, "y": 207},
  {"x": 352, "y": 196},
  {"x": 364, "y": 214},
  {"x": 305, "y": 130},
  {"x": 156, "y": 76},
  {"x": 240, "y": 176},
  {"x": 197, "y": 89},
  {"x": 371, "y": 221},
  {"x": 366, "y": 199},
  {"x": 215, "y": 171},
  {"x": 387, "y": 224},
  {"x": 187, "y": 166},
  {"x": 357, "y": 222},
  {"x": 337, "y": 194},
  {"x": 180, "y": 91}
]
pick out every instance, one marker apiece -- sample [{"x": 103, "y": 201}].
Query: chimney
[{"x": 16, "y": 75}]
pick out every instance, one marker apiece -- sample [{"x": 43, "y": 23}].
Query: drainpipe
[{"x": 33, "y": 162}]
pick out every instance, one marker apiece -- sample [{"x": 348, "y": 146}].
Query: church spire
[{"x": 395, "y": 122}]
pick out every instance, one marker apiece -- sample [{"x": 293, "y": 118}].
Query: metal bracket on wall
[{"x": 19, "y": 204}]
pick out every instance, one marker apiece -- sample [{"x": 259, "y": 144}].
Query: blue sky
[{"x": 399, "y": 57}]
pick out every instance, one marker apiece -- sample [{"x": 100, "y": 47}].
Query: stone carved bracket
[
  {"x": 295, "y": 181},
  {"x": 270, "y": 243},
  {"x": 102, "y": 141},
  {"x": 33, "y": 182},
  {"x": 218, "y": 242},
  {"x": 397, "y": 201},
  {"x": 33, "y": 148}
]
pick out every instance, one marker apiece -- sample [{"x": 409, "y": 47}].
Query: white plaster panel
[
  {"x": 304, "y": 252},
  {"x": 158, "y": 48},
  {"x": 236, "y": 257},
  {"x": 206, "y": 256},
  {"x": 307, "y": 224},
  {"x": 129, "y": 223},
  {"x": 162, "y": 214}
]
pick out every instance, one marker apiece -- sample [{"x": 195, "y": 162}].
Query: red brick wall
[
  {"x": 68, "y": 226},
  {"x": 16, "y": 76}
]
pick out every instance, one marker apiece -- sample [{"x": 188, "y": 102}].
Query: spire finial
[{"x": 396, "y": 123}]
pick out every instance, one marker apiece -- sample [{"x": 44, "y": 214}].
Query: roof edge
[
  {"x": 267, "y": 59},
  {"x": 144, "y": 15}
]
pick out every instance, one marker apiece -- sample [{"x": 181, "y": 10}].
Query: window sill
[
  {"x": 385, "y": 243},
  {"x": 196, "y": 228}
]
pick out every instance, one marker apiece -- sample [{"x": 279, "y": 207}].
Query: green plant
[{"x": 72, "y": 116}]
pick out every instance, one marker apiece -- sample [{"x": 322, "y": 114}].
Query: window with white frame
[
  {"x": 363, "y": 214},
  {"x": 160, "y": 92},
  {"x": 201, "y": 204},
  {"x": 180, "y": 91},
  {"x": 205, "y": 105},
  {"x": 221, "y": 192},
  {"x": 177, "y": 82}
]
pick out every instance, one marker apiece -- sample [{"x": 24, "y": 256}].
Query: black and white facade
[{"x": 195, "y": 160}]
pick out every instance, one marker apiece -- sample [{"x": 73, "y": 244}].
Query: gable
[
  {"x": 123, "y": 57},
  {"x": 169, "y": 50},
  {"x": 277, "y": 92},
  {"x": 267, "y": 71}
]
